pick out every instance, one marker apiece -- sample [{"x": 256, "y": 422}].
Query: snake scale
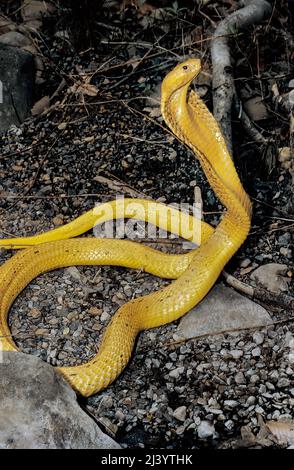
[{"x": 194, "y": 272}]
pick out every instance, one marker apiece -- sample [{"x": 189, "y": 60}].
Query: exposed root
[{"x": 224, "y": 90}]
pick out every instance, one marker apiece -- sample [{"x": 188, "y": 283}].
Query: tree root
[{"x": 223, "y": 80}]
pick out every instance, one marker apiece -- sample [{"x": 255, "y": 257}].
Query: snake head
[{"x": 182, "y": 75}]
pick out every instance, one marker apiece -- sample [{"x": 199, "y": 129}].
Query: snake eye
[{"x": 185, "y": 67}]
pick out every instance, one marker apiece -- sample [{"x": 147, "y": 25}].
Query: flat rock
[
  {"x": 17, "y": 78},
  {"x": 39, "y": 410},
  {"x": 222, "y": 309},
  {"x": 272, "y": 276}
]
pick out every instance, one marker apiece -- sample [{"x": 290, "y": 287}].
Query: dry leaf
[
  {"x": 143, "y": 8},
  {"x": 41, "y": 332},
  {"x": 284, "y": 154},
  {"x": 282, "y": 431},
  {"x": 89, "y": 139},
  {"x": 94, "y": 311},
  {"x": 153, "y": 112},
  {"x": 35, "y": 9},
  {"x": 117, "y": 185},
  {"x": 89, "y": 90},
  {"x": 84, "y": 89},
  {"x": 247, "y": 435},
  {"x": 40, "y": 106}
]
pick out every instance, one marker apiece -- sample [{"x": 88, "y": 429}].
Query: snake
[{"x": 193, "y": 273}]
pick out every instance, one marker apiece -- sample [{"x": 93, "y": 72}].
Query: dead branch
[
  {"x": 242, "y": 330},
  {"x": 224, "y": 90},
  {"x": 118, "y": 185},
  {"x": 258, "y": 293},
  {"x": 286, "y": 101},
  {"x": 247, "y": 124}
]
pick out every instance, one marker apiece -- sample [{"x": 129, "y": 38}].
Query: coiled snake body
[{"x": 195, "y": 272}]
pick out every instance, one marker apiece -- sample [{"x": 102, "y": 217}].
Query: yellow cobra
[{"x": 195, "y": 272}]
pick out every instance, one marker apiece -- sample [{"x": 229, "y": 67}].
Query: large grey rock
[
  {"x": 39, "y": 410},
  {"x": 17, "y": 78},
  {"x": 223, "y": 309}
]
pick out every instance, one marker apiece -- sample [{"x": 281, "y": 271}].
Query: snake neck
[{"x": 193, "y": 124}]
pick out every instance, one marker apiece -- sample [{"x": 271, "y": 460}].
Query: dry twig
[{"x": 258, "y": 293}]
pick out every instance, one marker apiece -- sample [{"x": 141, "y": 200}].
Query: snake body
[{"x": 194, "y": 272}]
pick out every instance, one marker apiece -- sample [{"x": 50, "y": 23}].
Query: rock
[
  {"x": 285, "y": 239},
  {"x": 256, "y": 108},
  {"x": 17, "y": 75},
  {"x": 256, "y": 352},
  {"x": 287, "y": 252},
  {"x": 223, "y": 309},
  {"x": 106, "y": 402},
  {"x": 251, "y": 400},
  {"x": 245, "y": 263},
  {"x": 180, "y": 413},
  {"x": 39, "y": 410},
  {"x": 205, "y": 430},
  {"x": 180, "y": 430},
  {"x": 254, "y": 379},
  {"x": 74, "y": 273},
  {"x": 230, "y": 404},
  {"x": 258, "y": 338},
  {"x": 175, "y": 373},
  {"x": 283, "y": 383},
  {"x": 58, "y": 220},
  {"x": 120, "y": 415},
  {"x": 104, "y": 317},
  {"x": 240, "y": 378},
  {"x": 259, "y": 410},
  {"x": 229, "y": 425},
  {"x": 272, "y": 276},
  {"x": 13, "y": 38},
  {"x": 236, "y": 353}
]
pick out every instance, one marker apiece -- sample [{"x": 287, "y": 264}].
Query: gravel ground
[{"x": 173, "y": 394}]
